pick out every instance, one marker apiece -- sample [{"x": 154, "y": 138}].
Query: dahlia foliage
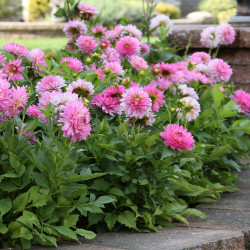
[{"x": 114, "y": 132}]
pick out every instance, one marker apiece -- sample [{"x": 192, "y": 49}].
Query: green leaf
[
  {"x": 25, "y": 233},
  {"x": 3, "y": 228},
  {"x": 40, "y": 179},
  {"x": 243, "y": 125},
  {"x": 29, "y": 219},
  {"x": 100, "y": 184},
  {"x": 25, "y": 243},
  {"x": 21, "y": 201},
  {"x": 152, "y": 139},
  {"x": 76, "y": 177},
  {"x": 32, "y": 125},
  {"x": 166, "y": 153},
  {"x": 103, "y": 200},
  {"x": 110, "y": 220},
  {"x": 194, "y": 212},
  {"x": 218, "y": 96},
  {"x": 128, "y": 219},
  {"x": 219, "y": 152},
  {"x": 65, "y": 231},
  {"x": 228, "y": 110},
  {"x": 60, "y": 13},
  {"x": 70, "y": 220},
  {"x": 180, "y": 218},
  {"x": 85, "y": 233},
  {"x": 116, "y": 191},
  {"x": 5, "y": 206}
]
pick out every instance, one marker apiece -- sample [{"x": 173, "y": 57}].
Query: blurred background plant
[
  {"x": 9, "y": 8},
  {"x": 168, "y": 9},
  {"x": 38, "y": 9},
  {"x": 223, "y": 11}
]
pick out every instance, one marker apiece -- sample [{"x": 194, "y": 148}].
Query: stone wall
[{"x": 236, "y": 54}]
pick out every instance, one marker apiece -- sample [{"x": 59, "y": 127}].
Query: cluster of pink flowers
[{"x": 242, "y": 99}]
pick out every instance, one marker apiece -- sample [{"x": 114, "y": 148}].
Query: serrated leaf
[
  {"x": 67, "y": 232},
  {"x": 70, "y": 220},
  {"x": 29, "y": 219},
  {"x": 219, "y": 152},
  {"x": 110, "y": 220},
  {"x": 103, "y": 200},
  {"x": 85, "y": 233},
  {"x": 5, "y": 206},
  {"x": 127, "y": 219},
  {"x": 180, "y": 218},
  {"x": 194, "y": 212},
  {"x": 3, "y": 228}
]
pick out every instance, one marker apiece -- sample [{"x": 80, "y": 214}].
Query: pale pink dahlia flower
[
  {"x": 188, "y": 91},
  {"x": 111, "y": 55},
  {"x": 108, "y": 104},
  {"x": 73, "y": 63},
  {"x": 75, "y": 120},
  {"x": 75, "y": 28},
  {"x": 144, "y": 48},
  {"x": 210, "y": 37},
  {"x": 177, "y": 137},
  {"x": 99, "y": 30},
  {"x": 87, "y": 12},
  {"x": 104, "y": 44},
  {"x": 114, "y": 67},
  {"x": 36, "y": 56},
  {"x": 2, "y": 58},
  {"x": 49, "y": 84},
  {"x": 115, "y": 91},
  {"x": 128, "y": 46},
  {"x": 242, "y": 99},
  {"x": 138, "y": 62},
  {"x": 161, "y": 20},
  {"x": 17, "y": 100},
  {"x": 132, "y": 30},
  {"x": 220, "y": 71},
  {"x": 86, "y": 44},
  {"x": 13, "y": 70},
  {"x": 33, "y": 111},
  {"x": 162, "y": 83},
  {"x": 156, "y": 96},
  {"x": 16, "y": 49},
  {"x": 192, "y": 109},
  {"x": 136, "y": 102},
  {"x": 81, "y": 87},
  {"x": 115, "y": 33},
  {"x": 4, "y": 93},
  {"x": 226, "y": 33},
  {"x": 200, "y": 58}
]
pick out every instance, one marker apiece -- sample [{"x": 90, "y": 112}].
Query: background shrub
[
  {"x": 38, "y": 9},
  {"x": 168, "y": 9},
  {"x": 9, "y": 8},
  {"x": 222, "y": 10}
]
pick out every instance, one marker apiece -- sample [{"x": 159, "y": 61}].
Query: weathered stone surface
[
  {"x": 236, "y": 56},
  {"x": 244, "y": 37},
  {"x": 241, "y": 74}
]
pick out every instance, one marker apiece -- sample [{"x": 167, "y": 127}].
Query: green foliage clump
[
  {"x": 9, "y": 8},
  {"x": 222, "y": 10},
  {"x": 168, "y": 9},
  {"x": 37, "y": 9}
]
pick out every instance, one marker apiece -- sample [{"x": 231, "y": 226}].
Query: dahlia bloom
[
  {"x": 128, "y": 46},
  {"x": 115, "y": 33},
  {"x": 86, "y": 44},
  {"x": 188, "y": 91},
  {"x": 210, "y": 37},
  {"x": 2, "y": 74},
  {"x": 226, "y": 34},
  {"x": 162, "y": 83},
  {"x": 220, "y": 71},
  {"x": 87, "y": 12},
  {"x": 13, "y": 70},
  {"x": 200, "y": 58},
  {"x": 99, "y": 30},
  {"x": 17, "y": 100},
  {"x": 136, "y": 102},
  {"x": 36, "y": 56},
  {"x": 70, "y": 44},
  {"x": 114, "y": 67},
  {"x": 49, "y": 84},
  {"x": 75, "y": 28},
  {"x": 147, "y": 120},
  {"x": 75, "y": 120},
  {"x": 108, "y": 104},
  {"x": 104, "y": 44},
  {"x": 167, "y": 70},
  {"x": 111, "y": 55},
  {"x": 33, "y": 111},
  {"x": 144, "y": 48},
  {"x": 192, "y": 108},
  {"x": 138, "y": 62},
  {"x": 156, "y": 97},
  {"x": 81, "y": 87},
  {"x": 4, "y": 93},
  {"x": 161, "y": 20},
  {"x": 16, "y": 49},
  {"x": 73, "y": 63},
  {"x": 177, "y": 137},
  {"x": 132, "y": 30},
  {"x": 2, "y": 58},
  {"x": 115, "y": 91},
  {"x": 242, "y": 99}
]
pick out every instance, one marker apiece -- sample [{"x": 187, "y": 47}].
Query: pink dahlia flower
[
  {"x": 73, "y": 63},
  {"x": 128, "y": 46},
  {"x": 226, "y": 33},
  {"x": 13, "y": 70},
  {"x": 18, "y": 99},
  {"x": 49, "y": 84},
  {"x": 99, "y": 30},
  {"x": 81, "y": 87},
  {"x": 132, "y": 30},
  {"x": 75, "y": 28},
  {"x": 161, "y": 20},
  {"x": 108, "y": 104},
  {"x": 70, "y": 44},
  {"x": 210, "y": 37},
  {"x": 136, "y": 102},
  {"x": 144, "y": 48},
  {"x": 147, "y": 120},
  {"x": 242, "y": 99},
  {"x": 75, "y": 120},
  {"x": 33, "y": 111},
  {"x": 138, "y": 62},
  {"x": 177, "y": 137},
  {"x": 36, "y": 56},
  {"x": 16, "y": 49},
  {"x": 115, "y": 33},
  {"x": 104, "y": 44},
  {"x": 220, "y": 71},
  {"x": 167, "y": 70},
  {"x": 200, "y": 58},
  {"x": 192, "y": 109},
  {"x": 188, "y": 91},
  {"x": 4, "y": 93},
  {"x": 111, "y": 55},
  {"x": 156, "y": 96},
  {"x": 115, "y": 91},
  {"x": 162, "y": 83},
  {"x": 87, "y": 12},
  {"x": 86, "y": 44},
  {"x": 2, "y": 58},
  {"x": 114, "y": 67}
]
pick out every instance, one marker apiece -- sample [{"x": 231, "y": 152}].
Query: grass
[{"x": 45, "y": 44}]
